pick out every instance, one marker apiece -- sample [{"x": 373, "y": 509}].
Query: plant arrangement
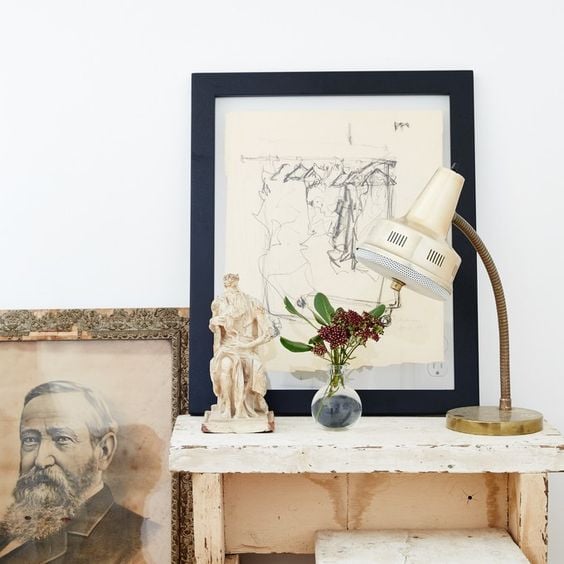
[{"x": 338, "y": 333}]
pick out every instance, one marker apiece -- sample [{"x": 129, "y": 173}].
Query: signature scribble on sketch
[
  {"x": 400, "y": 125},
  {"x": 312, "y": 212}
]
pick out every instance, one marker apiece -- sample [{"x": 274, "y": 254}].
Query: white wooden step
[{"x": 461, "y": 546}]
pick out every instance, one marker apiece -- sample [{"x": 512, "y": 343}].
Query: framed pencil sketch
[
  {"x": 89, "y": 400},
  {"x": 288, "y": 172}
]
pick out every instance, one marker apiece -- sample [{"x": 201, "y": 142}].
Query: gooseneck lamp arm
[{"x": 468, "y": 231}]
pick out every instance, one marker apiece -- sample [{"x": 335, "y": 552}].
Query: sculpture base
[
  {"x": 490, "y": 420},
  {"x": 215, "y": 424}
]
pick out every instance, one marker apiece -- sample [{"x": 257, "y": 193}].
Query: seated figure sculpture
[{"x": 240, "y": 325}]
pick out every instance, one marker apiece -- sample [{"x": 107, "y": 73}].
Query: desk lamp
[{"x": 413, "y": 251}]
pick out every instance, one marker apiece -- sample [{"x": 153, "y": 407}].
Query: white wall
[{"x": 94, "y": 147}]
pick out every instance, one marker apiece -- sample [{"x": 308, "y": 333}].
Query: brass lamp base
[{"x": 490, "y": 420}]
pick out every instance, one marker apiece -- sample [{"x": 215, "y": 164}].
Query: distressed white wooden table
[{"x": 269, "y": 493}]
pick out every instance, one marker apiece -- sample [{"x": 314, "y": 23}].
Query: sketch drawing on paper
[
  {"x": 302, "y": 189},
  {"x": 316, "y": 207}
]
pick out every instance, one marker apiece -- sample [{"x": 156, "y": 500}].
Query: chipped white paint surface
[
  {"x": 209, "y": 538},
  {"x": 376, "y": 444},
  {"x": 466, "y": 546}
]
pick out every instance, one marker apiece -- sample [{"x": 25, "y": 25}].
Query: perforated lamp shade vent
[
  {"x": 390, "y": 268},
  {"x": 413, "y": 249}
]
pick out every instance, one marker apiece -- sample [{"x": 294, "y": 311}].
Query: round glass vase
[{"x": 336, "y": 405}]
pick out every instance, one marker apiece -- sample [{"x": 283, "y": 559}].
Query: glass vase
[{"x": 336, "y": 405}]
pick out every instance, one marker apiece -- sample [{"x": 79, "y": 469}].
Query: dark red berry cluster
[
  {"x": 349, "y": 319},
  {"x": 319, "y": 349},
  {"x": 370, "y": 328},
  {"x": 335, "y": 335},
  {"x": 349, "y": 328}
]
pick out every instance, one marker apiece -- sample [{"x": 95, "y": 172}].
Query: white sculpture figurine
[{"x": 240, "y": 325}]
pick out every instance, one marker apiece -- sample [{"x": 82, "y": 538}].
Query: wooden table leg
[
  {"x": 528, "y": 514},
  {"x": 209, "y": 539}
]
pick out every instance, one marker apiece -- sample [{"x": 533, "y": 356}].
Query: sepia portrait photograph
[{"x": 86, "y": 424}]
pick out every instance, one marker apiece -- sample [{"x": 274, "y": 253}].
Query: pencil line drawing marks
[
  {"x": 400, "y": 125},
  {"x": 312, "y": 211}
]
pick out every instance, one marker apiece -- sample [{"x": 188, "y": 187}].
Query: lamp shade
[{"x": 413, "y": 249}]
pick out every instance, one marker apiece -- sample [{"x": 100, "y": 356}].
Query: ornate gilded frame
[{"x": 124, "y": 324}]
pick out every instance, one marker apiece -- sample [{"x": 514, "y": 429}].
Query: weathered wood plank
[
  {"x": 427, "y": 501},
  {"x": 382, "y": 444},
  {"x": 232, "y": 559},
  {"x": 209, "y": 540},
  {"x": 281, "y": 513},
  {"x": 466, "y": 546},
  {"x": 528, "y": 514}
]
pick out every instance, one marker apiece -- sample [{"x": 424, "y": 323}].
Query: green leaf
[
  {"x": 290, "y": 307},
  {"x": 378, "y": 311},
  {"x": 316, "y": 340},
  {"x": 295, "y": 346},
  {"x": 318, "y": 318},
  {"x": 323, "y": 307}
]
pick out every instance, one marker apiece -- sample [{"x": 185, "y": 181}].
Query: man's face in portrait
[
  {"x": 61, "y": 466},
  {"x": 55, "y": 441}
]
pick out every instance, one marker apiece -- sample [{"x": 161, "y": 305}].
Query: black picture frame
[{"x": 206, "y": 88}]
